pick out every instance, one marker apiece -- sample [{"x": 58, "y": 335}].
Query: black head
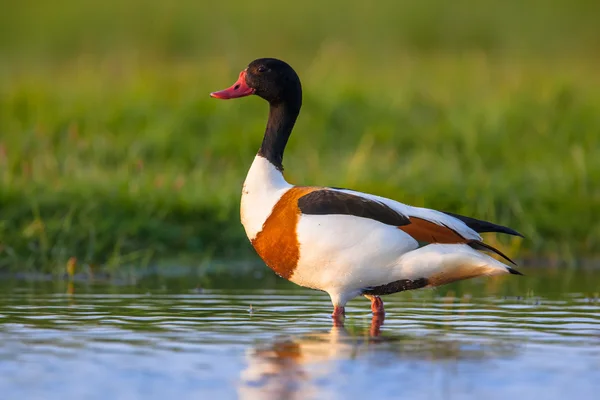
[
  {"x": 276, "y": 82},
  {"x": 272, "y": 79}
]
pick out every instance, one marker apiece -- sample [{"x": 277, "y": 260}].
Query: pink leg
[
  {"x": 338, "y": 313},
  {"x": 376, "y": 305},
  {"x": 376, "y": 322}
]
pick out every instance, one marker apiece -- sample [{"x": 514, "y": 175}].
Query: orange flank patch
[
  {"x": 430, "y": 232},
  {"x": 277, "y": 242}
]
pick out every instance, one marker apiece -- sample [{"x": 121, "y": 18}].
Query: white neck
[{"x": 263, "y": 187}]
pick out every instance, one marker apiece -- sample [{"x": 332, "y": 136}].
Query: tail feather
[
  {"x": 444, "y": 263},
  {"x": 515, "y": 272}
]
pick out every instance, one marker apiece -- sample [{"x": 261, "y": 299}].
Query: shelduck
[{"x": 342, "y": 241}]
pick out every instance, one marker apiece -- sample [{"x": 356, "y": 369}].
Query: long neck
[{"x": 282, "y": 117}]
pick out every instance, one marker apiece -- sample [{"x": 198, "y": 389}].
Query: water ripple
[{"x": 282, "y": 344}]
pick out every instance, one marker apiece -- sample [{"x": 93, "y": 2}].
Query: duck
[{"x": 342, "y": 241}]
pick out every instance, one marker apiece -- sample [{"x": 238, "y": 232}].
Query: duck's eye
[{"x": 261, "y": 69}]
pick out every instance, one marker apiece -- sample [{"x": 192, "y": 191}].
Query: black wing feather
[
  {"x": 326, "y": 202},
  {"x": 479, "y": 245},
  {"x": 480, "y": 226}
]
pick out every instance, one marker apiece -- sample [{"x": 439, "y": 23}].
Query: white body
[{"x": 345, "y": 254}]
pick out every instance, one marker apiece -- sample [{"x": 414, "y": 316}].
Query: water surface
[{"x": 537, "y": 337}]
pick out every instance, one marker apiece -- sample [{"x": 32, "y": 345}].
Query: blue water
[{"x": 151, "y": 343}]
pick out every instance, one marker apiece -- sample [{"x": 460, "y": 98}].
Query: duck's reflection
[{"x": 301, "y": 367}]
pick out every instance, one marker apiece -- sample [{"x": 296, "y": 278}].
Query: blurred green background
[{"x": 112, "y": 152}]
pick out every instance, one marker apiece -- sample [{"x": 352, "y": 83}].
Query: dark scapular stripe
[
  {"x": 325, "y": 202},
  {"x": 483, "y": 226},
  {"x": 396, "y": 286}
]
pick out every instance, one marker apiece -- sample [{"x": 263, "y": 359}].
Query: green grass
[{"x": 112, "y": 151}]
